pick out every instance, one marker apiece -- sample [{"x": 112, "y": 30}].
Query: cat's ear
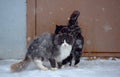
[
  {"x": 56, "y": 26},
  {"x": 74, "y": 17},
  {"x": 56, "y": 29}
]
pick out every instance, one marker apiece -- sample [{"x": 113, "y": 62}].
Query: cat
[
  {"x": 51, "y": 47},
  {"x": 73, "y": 28}
]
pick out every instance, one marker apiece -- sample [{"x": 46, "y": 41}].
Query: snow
[
  {"x": 94, "y": 68},
  {"x": 107, "y": 28}
]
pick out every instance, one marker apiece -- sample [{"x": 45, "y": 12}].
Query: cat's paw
[
  {"x": 77, "y": 65},
  {"x": 54, "y": 69},
  {"x": 44, "y": 69},
  {"x": 63, "y": 66},
  {"x": 67, "y": 65}
]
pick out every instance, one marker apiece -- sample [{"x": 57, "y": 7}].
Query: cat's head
[
  {"x": 63, "y": 39},
  {"x": 58, "y": 28},
  {"x": 61, "y": 29}
]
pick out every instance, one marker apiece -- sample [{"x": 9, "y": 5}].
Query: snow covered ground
[{"x": 95, "y": 68}]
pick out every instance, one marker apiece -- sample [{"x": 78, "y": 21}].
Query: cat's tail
[
  {"x": 21, "y": 65},
  {"x": 73, "y": 18}
]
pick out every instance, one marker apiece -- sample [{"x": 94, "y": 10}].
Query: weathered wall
[{"x": 12, "y": 28}]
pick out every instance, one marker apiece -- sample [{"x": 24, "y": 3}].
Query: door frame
[{"x": 31, "y": 20}]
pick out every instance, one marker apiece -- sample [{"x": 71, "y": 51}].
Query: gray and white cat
[{"x": 52, "y": 47}]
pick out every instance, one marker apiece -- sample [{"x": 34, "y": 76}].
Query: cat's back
[
  {"x": 42, "y": 39},
  {"x": 44, "y": 36},
  {"x": 40, "y": 45}
]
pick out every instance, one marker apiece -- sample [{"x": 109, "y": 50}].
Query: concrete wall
[{"x": 12, "y": 29}]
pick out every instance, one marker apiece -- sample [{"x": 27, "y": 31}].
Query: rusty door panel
[{"x": 99, "y": 21}]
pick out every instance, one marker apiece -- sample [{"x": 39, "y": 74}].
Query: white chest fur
[{"x": 65, "y": 51}]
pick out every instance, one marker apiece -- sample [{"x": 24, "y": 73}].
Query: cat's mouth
[{"x": 65, "y": 46}]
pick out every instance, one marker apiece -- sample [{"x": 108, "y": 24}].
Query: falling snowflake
[
  {"x": 53, "y": 23},
  {"x": 96, "y": 20},
  {"x": 50, "y": 13},
  {"x": 41, "y": 9},
  {"x": 88, "y": 42},
  {"x": 68, "y": 18},
  {"x": 103, "y": 9},
  {"x": 29, "y": 38},
  {"x": 61, "y": 9},
  {"x": 107, "y": 28}
]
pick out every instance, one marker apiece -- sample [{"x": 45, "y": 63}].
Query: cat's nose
[{"x": 65, "y": 45}]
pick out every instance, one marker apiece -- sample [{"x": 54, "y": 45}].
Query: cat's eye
[
  {"x": 62, "y": 41},
  {"x": 68, "y": 41}
]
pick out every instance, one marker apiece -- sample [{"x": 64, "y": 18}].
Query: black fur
[{"x": 73, "y": 28}]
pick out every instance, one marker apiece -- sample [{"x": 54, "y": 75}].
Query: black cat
[{"x": 73, "y": 28}]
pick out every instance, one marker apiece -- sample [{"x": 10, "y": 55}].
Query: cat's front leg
[
  {"x": 78, "y": 54},
  {"x": 68, "y": 60},
  {"x": 53, "y": 64},
  {"x": 59, "y": 64},
  {"x": 40, "y": 65}
]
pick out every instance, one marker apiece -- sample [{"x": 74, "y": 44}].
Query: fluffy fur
[
  {"x": 73, "y": 28},
  {"x": 47, "y": 47}
]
